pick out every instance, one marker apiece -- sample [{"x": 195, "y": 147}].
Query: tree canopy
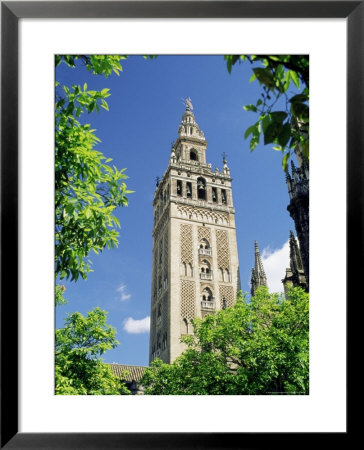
[
  {"x": 87, "y": 191},
  {"x": 87, "y": 187},
  {"x": 79, "y": 369},
  {"x": 284, "y": 126},
  {"x": 255, "y": 347}
]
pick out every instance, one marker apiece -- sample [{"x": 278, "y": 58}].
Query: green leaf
[
  {"x": 278, "y": 116},
  {"x": 264, "y": 76},
  {"x": 254, "y": 142},
  {"x": 300, "y": 110},
  {"x": 87, "y": 213},
  {"x": 284, "y": 135},
  {"x": 266, "y": 120},
  {"x": 252, "y": 78},
  {"x": 285, "y": 161},
  {"x": 230, "y": 61},
  {"x": 250, "y": 130},
  {"x": 250, "y": 108},
  {"x": 295, "y": 78},
  {"x": 272, "y": 132},
  {"x": 299, "y": 98}
]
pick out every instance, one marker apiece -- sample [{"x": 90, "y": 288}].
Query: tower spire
[
  {"x": 295, "y": 275},
  {"x": 258, "y": 275}
]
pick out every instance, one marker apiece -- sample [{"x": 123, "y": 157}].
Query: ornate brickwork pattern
[
  {"x": 226, "y": 292},
  {"x": 161, "y": 223},
  {"x": 186, "y": 244},
  {"x": 204, "y": 233},
  {"x": 165, "y": 255},
  {"x": 153, "y": 327},
  {"x": 188, "y": 295},
  {"x": 202, "y": 215},
  {"x": 165, "y": 314},
  {"x": 223, "y": 253}
]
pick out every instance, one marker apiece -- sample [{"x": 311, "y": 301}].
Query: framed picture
[{"x": 187, "y": 17}]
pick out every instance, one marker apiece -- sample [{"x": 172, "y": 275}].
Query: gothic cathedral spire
[
  {"x": 295, "y": 275},
  {"x": 258, "y": 275}
]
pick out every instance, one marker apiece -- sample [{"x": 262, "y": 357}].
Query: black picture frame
[{"x": 11, "y": 12}]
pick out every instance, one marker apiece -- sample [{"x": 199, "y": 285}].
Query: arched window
[
  {"x": 205, "y": 243},
  {"x": 221, "y": 271},
  {"x": 193, "y": 155},
  {"x": 185, "y": 326},
  {"x": 189, "y": 190},
  {"x": 214, "y": 194},
  {"x": 223, "y": 196},
  {"x": 204, "y": 248},
  {"x": 164, "y": 341},
  {"x": 227, "y": 275},
  {"x": 205, "y": 266},
  {"x": 201, "y": 188},
  {"x": 207, "y": 295},
  {"x": 179, "y": 187}
]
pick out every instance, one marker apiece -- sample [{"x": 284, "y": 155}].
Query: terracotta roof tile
[{"x": 135, "y": 372}]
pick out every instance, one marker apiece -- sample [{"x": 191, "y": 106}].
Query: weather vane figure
[{"x": 188, "y": 103}]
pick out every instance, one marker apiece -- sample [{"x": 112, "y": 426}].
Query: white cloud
[
  {"x": 123, "y": 294},
  {"x": 135, "y": 326},
  {"x": 275, "y": 263}
]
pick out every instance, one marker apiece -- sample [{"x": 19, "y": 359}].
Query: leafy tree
[
  {"x": 87, "y": 187},
  {"x": 287, "y": 127},
  {"x": 87, "y": 191},
  {"x": 256, "y": 347},
  {"x": 79, "y": 369}
]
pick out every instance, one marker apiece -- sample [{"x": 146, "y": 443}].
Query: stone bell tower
[{"x": 195, "y": 256}]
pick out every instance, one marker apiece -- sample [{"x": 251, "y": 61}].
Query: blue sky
[{"x": 145, "y": 111}]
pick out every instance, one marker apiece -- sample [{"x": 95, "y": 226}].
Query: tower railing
[
  {"x": 207, "y": 304},
  {"x": 205, "y": 251},
  {"x": 206, "y": 276}
]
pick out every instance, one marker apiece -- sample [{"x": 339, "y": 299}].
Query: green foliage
[
  {"x": 87, "y": 187},
  {"x": 87, "y": 191},
  {"x": 255, "y": 347},
  {"x": 285, "y": 129},
  {"x": 97, "y": 64},
  {"x": 79, "y": 369},
  {"x": 60, "y": 289}
]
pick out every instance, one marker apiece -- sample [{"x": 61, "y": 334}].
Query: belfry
[{"x": 195, "y": 258}]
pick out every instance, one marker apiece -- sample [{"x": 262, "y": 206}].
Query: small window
[
  {"x": 223, "y": 196},
  {"x": 189, "y": 190},
  {"x": 214, "y": 195},
  {"x": 201, "y": 188},
  {"x": 193, "y": 156},
  {"x": 179, "y": 188}
]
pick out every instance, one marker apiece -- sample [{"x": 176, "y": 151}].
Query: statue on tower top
[{"x": 188, "y": 103}]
